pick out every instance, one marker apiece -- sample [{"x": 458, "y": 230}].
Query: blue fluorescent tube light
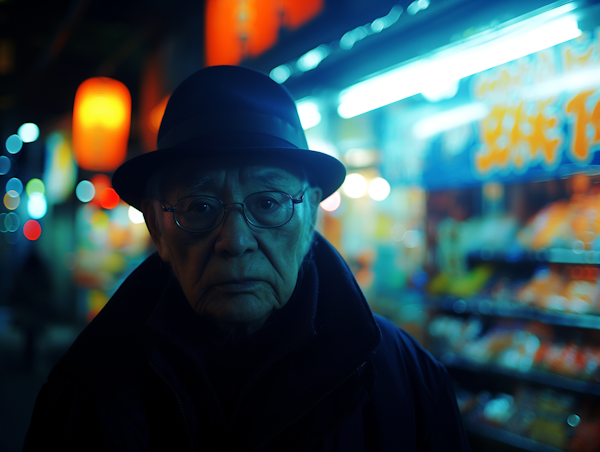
[{"x": 478, "y": 54}]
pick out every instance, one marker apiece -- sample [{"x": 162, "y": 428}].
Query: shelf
[
  {"x": 533, "y": 375},
  {"x": 550, "y": 255},
  {"x": 507, "y": 309},
  {"x": 507, "y": 437}
]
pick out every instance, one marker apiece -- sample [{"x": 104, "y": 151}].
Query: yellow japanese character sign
[
  {"x": 586, "y": 130},
  {"x": 524, "y": 129},
  {"x": 515, "y": 137}
]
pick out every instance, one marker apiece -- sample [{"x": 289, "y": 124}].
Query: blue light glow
[
  {"x": 14, "y": 144},
  {"x": 15, "y": 184},
  {"x": 85, "y": 191},
  {"x": 5, "y": 165}
]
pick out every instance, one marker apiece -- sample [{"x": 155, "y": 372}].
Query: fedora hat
[{"x": 228, "y": 111}]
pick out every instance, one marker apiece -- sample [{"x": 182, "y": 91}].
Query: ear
[
  {"x": 153, "y": 223},
  {"x": 314, "y": 197}
]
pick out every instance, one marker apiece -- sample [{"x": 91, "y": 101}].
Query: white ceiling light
[
  {"x": 450, "y": 119},
  {"x": 308, "y": 112},
  {"x": 480, "y": 53},
  {"x": 355, "y": 185}
]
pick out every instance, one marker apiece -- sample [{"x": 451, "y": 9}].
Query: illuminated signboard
[{"x": 535, "y": 118}]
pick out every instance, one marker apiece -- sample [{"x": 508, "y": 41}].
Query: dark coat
[{"x": 333, "y": 378}]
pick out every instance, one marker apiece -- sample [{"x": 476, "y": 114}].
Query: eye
[
  {"x": 265, "y": 203},
  {"x": 199, "y": 206}
]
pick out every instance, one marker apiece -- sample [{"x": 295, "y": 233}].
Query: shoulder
[
  {"x": 413, "y": 393},
  {"x": 402, "y": 357},
  {"x": 115, "y": 339}
]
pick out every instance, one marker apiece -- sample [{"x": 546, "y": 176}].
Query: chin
[{"x": 240, "y": 314}]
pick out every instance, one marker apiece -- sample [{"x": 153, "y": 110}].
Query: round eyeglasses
[{"x": 266, "y": 209}]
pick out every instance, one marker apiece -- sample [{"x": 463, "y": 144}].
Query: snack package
[
  {"x": 581, "y": 296},
  {"x": 542, "y": 291},
  {"x": 549, "y": 224}
]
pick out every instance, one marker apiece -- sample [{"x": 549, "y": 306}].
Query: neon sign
[{"x": 544, "y": 110}]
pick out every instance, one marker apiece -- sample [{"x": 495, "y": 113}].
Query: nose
[{"x": 235, "y": 234}]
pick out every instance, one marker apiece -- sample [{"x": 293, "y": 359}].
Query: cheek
[
  {"x": 291, "y": 248},
  {"x": 188, "y": 259}
]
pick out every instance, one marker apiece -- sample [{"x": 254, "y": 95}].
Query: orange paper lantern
[
  {"x": 238, "y": 29},
  {"x": 101, "y": 122}
]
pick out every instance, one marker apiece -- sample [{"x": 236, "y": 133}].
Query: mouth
[{"x": 238, "y": 285}]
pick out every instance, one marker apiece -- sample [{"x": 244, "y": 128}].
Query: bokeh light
[
  {"x": 37, "y": 206},
  {"x": 309, "y": 113},
  {"x": 332, "y": 202},
  {"x": 109, "y": 198},
  {"x": 15, "y": 184},
  {"x": 14, "y": 144},
  {"x": 11, "y": 200},
  {"x": 35, "y": 186},
  {"x": 60, "y": 173},
  {"x": 135, "y": 216},
  {"x": 281, "y": 73},
  {"x": 11, "y": 222},
  {"x": 101, "y": 182},
  {"x": 2, "y": 225},
  {"x": 32, "y": 230},
  {"x": 70, "y": 260},
  {"x": 28, "y": 132},
  {"x": 100, "y": 220},
  {"x": 379, "y": 189},
  {"x": 355, "y": 185},
  {"x": 5, "y": 165},
  {"x": 85, "y": 191},
  {"x": 88, "y": 212}
]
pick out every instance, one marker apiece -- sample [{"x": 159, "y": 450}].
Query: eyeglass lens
[{"x": 265, "y": 209}]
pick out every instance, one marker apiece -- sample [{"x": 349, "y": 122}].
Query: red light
[
  {"x": 32, "y": 230},
  {"x": 101, "y": 182},
  {"x": 109, "y": 198}
]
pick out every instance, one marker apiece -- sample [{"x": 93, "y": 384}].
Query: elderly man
[{"x": 246, "y": 331}]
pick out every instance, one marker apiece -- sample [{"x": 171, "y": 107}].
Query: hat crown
[
  {"x": 228, "y": 112},
  {"x": 222, "y": 100}
]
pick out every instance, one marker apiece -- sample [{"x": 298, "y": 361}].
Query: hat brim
[{"x": 130, "y": 179}]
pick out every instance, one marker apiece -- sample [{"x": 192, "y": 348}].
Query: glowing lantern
[
  {"x": 101, "y": 121},
  {"x": 237, "y": 29}
]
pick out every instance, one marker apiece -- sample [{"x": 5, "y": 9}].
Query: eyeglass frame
[{"x": 225, "y": 211}]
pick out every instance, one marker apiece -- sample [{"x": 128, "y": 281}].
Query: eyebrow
[{"x": 271, "y": 177}]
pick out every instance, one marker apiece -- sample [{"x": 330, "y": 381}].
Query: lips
[{"x": 238, "y": 285}]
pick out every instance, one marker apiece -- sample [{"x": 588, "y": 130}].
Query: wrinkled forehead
[{"x": 191, "y": 175}]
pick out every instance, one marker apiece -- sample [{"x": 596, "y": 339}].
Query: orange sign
[{"x": 544, "y": 109}]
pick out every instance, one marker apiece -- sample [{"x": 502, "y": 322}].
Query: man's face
[{"x": 236, "y": 274}]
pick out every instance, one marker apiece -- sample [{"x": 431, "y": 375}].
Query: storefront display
[
  {"x": 513, "y": 295},
  {"x": 488, "y": 245}
]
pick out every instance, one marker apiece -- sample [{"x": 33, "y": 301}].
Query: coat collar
[{"x": 327, "y": 332}]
